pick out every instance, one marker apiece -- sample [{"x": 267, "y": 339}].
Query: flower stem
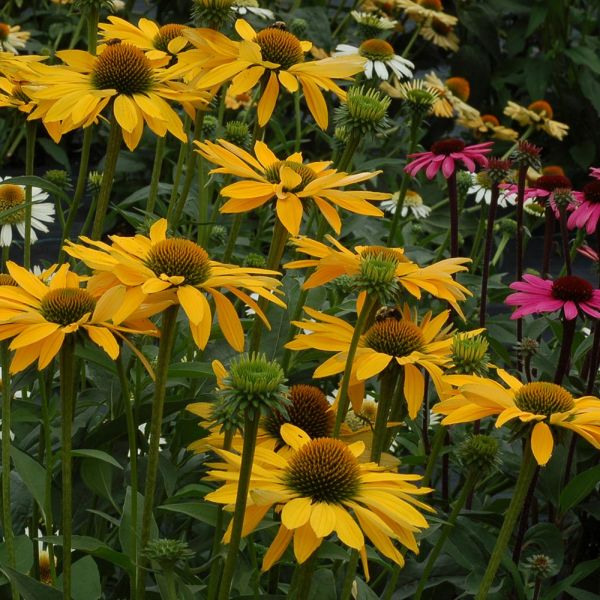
[
  {"x": 159, "y": 153},
  {"x": 436, "y": 447},
  {"x": 302, "y": 578},
  {"x": 346, "y": 592},
  {"x": 564, "y": 235},
  {"x": 251, "y": 422},
  {"x": 67, "y": 395},
  {"x": 345, "y": 161},
  {"x": 528, "y": 466},
  {"x": 233, "y": 234},
  {"x": 343, "y": 399},
  {"x": 30, "y": 135},
  {"x": 564, "y": 360},
  {"x": 110, "y": 165},
  {"x": 412, "y": 39},
  {"x": 489, "y": 241},
  {"x": 79, "y": 188},
  {"x": 132, "y": 439},
  {"x": 389, "y": 379},
  {"x": 165, "y": 350},
  {"x": 298, "y": 120},
  {"x": 7, "y": 526},
  {"x": 521, "y": 180},
  {"x": 548, "y": 235},
  {"x": 468, "y": 487},
  {"x": 453, "y": 200}
]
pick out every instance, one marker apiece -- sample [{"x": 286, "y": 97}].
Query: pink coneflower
[
  {"x": 587, "y": 212},
  {"x": 595, "y": 172},
  {"x": 445, "y": 154},
  {"x": 543, "y": 190},
  {"x": 569, "y": 293}
]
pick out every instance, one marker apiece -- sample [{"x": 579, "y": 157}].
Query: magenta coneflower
[
  {"x": 595, "y": 172},
  {"x": 587, "y": 212},
  {"x": 444, "y": 155},
  {"x": 543, "y": 190},
  {"x": 570, "y": 293}
]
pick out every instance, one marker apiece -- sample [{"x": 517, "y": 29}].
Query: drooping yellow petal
[
  {"x": 323, "y": 519},
  {"x": 542, "y": 443},
  {"x": 278, "y": 547},
  {"x": 305, "y": 543},
  {"x": 296, "y": 513},
  {"x": 414, "y": 389},
  {"x": 266, "y": 104},
  {"x": 105, "y": 339},
  {"x": 229, "y": 322}
]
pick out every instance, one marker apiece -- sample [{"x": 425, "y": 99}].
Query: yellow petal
[
  {"x": 193, "y": 302},
  {"x": 268, "y": 99},
  {"x": 278, "y": 547},
  {"x": 105, "y": 339},
  {"x": 126, "y": 113},
  {"x": 305, "y": 543},
  {"x": 296, "y": 513},
  {"x": 229, "y": 322},
  {"x": 34, "y": 334},
  {"x": 322, "y": 519},
  {"x": 371, "y": 364},
  {"x": 289, "y": 211},
  {"x": 347, "y": 529},
  {"x": 414, "y": 389},
  {"x": 542, "y": 443}
]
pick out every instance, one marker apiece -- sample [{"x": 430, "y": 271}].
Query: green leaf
[
  {"x": 536, "y": 17},
  {"x": 85, "y": 580},
  {"x": 32, "y": 474},
  {"x": 96, "y": 548},
  {"x": 191, "y": 370},
  {"x": 99, "y": 455},
  {"x": 23, "y": 555},
  {"x": 29, "y": 588},
  {"x": 207, "y": 513},
  {"x": 98, "y": 476},
  {"x": 590, "y": 88},
  {"x": 56, "y": 152},
  {"x": 545, "y": 538},
  {"x": 584, "y": 56},
  {"x": 579, "y": 488},
  {"x": 130, "y": 527},
  {"x": 581, "y": 571}
]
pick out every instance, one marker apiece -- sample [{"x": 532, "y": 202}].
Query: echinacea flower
[
  {"x": 38, "y": 314},
  {"x": 452, "y": 96},
  {"x": 589, "y": 252},
  {"x": 379, "y": 56},
  {"x": 273, "y": 55},
  {"x": 571, "y": 294},
  {"x": 12, "y": 95},
  {"x": 413, "y": 203},
  {"x": 488, "y": 126},
  {"x": 120, "y": 77},
  {"x": 12, "y": 39},
  {"x": 587, "y": 212},
  {"x": 441, "y": 34},
  {"x": 289, "y": 182},
  {"x": 179, "y": 271},
  {"x": 373, "y": 22},
  {"x": 541, "y": 404},
  {"x": 399, "y": 341},
  {"x": 12, "y": 197},
  {"x": 445, "y": 154},
  {"x": 392, "y": 269},
  {"x": 423, "y": 10},
  {"x": 538, "y": 114},
  {"x": 420, "y": 97},
  {"x": 481, "y": 188},
  {"x": 158, "y": 42},
  {"x": 321, "y": 488},
  {"x": 595, "y": 172},
  {"x": 243, "y": 7}
]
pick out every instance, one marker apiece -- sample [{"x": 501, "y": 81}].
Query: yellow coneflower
[
  {"x": 538, "y": 114},
  {"x": 423, "y": 10},
  {"x": 440, "y": 34},
  {"x": 321, "y": 488},
  {"x": 12, "y": 39},
  {"x": 488, "y": 126},
  {"x": 178, "y": 271}
]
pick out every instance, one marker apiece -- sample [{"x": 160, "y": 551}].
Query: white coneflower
[
  {"x": 373, "y": 21},
  {"x": 243, "y": 7},
  {"x": 413, "y": 202},
  {"x": 380, "y": 56},
  {"x": 12, "y": 39},
  {"x": 12, "y": 196},
  {"x": 532, "y": 207},
  {"x": 481, "y": 187}
]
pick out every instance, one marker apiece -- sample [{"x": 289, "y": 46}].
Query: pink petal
[
  {"x": 448, "y": 166},
  {"x": 570, "y": 309}
]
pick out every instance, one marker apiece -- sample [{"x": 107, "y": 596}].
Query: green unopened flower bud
[
  {"x": 341, "y": 134},
  {"x": 378, "y": 272},
  {"x": 463, "y": 183},
  {"x": 299, "y": 27},
  {"x": 469, "y": 354},
  {"x": 478, "y": 454},
  {"x": 371, "y": 25},
  {"x": 527, "y": 347},
  {"x": 346, "y": 284},
  {"x": 541, "y": 566},
  {"x": 364, "y": 112},
  {"x": 167, "y": 553},
  {"x": 59, "y": 178},
  {"x": 218, "y": 234},
  {"x": 209, "y": 126},
  {"x": 254, "y": 385},
  {"x": 255, "y": 261},
  {"x": 563, "y": 198},
  {"x": 527, "y": 155},
  {"x": 212, "y": 13},
  {"x": 506, "y": 227},
  {"x": 419, "y": 97},
  {"x": 85, "y": 5},
  {"x": 238, "y": 133},
  {"x": 94, "y": 182},
  {"x": 416, "y": 228}
]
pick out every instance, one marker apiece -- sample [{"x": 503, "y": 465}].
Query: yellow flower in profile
[
  {"x": 426, "y": 10},
  {"x": 541, "y": 404},
  {"x": 454, "y": 104},
  {"x": 122, "y": 78},
  {"x": 321, "y": 488},
  {"x": 288, "y": 182},
  {"x": 396, "y": 339},
  {"x": 38, "y": 314},
  {"x": 539, "y": 114},
  {"x": 12, "y": 39},
  {"x": 441, "y": 34},
  {"x": 158, "y": 42},
  {"x": 273, "y": 55},
  {"x": 12, "y": 95},
  {"x": 391, "y": 264},
  {"x": 178, "y": 271},
  {"x": 488, "y": 126}
]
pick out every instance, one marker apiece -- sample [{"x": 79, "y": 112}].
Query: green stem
[
  {"x": 528, "y": 466},
  {"x": 165, "y": 350},
  {"x": 132, "y": 439},
  {"x": 6, "y": 512},
  {"x": 159, "y": 153},
  {"x": 79, "y": 188},
  {"x": 346, "y": 592},
  {"x": 525, "y": 135},
  {"x": 436, "y": 447},
  {"x": 30, "y": 135},
  {"x": 67, "y": 395},
  {"x": 92, "y": 23},
  {"x": 412, "y": 40},
  {"x": 110, "y": 166},
  {"x": 251, "y": 422},
  {"x": 298, "y": 120},
  {"x": 345, "y": 160},
  {"x": 204, "y": 197},
  {"x": 478, "y": 238},
  {"x": 302, "y": 578},
  {"x": 389, "y": 379},
  {"x": 468, "y": 487},
  {"x": 171, "y": 585},
  {"x": 178, "y": 168},
  {"x": 343, "y": 398},
  {"x": 233, "y": 234}
]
